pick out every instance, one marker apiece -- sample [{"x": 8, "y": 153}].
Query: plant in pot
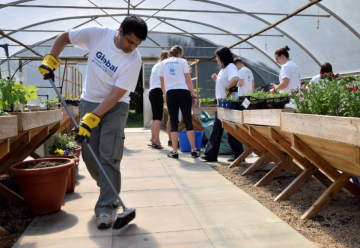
[
  {"x": 43, "y": 182},
  {"x": 64, "y": 142},
  {"x": 15, "y": 93},
  {"x": 234, "y": 103},
  {"x": 52, "y": 104},
  {"x": 207, "y": 102}
]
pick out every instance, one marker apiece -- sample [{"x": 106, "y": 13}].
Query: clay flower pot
[
  {"x": 43, "y": 189},
  {"x": 72, "y": 176}
]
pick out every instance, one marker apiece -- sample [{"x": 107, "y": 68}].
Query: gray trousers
[{"x": 107, "y": 141}]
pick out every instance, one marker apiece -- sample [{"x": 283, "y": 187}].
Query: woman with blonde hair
[
  {"x": 157, "y": 102},
  {"x": 179, "y": 90}
]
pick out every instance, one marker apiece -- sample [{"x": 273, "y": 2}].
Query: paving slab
[{"x": 180, "y": 203}]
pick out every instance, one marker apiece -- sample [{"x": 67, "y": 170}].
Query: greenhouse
[{"x": 95, "y": 113}]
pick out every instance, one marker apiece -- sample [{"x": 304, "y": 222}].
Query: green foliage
[
  {"x": 234, "y": 99},
  {"x": 63, "y": 142},
  {"x": 134, "y": 120},
  {"x": 207, "y": 100},
  {"x": 18, "y": 94},
  {"x": 50, "y": 103},
  {"x": 2, "y": 113},
  {"x": 136, "y": 97},
  {"x": 197, "y": 90},
  {"x": 332, "y": 95}
]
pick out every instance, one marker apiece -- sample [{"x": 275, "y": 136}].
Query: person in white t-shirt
[
  {"x": 112, "y": 72},
  {"x": 246, "y": 79},
  {"x": 325, "y": 68},
  {"x": 228, "y": 78},
  {"x": 157, "y": 102},
  {"x": 289, "y": 76},
  {"x": 179, "y": 90}
]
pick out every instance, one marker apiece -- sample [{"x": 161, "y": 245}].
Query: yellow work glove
[
  {"x": 229, "y": 91},
  {"x": 48, "y": 66},
  {"x": 88, "y": 122}
]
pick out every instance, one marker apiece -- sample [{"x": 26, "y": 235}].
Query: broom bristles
[{"x": 124, "y": 218}]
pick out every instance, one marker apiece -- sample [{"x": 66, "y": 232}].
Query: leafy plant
[
  {"x": 197, "y": 90},
  {"x": 207, "y": 100},
  {"x": 2, "y": 113},
  {"x": 63, "y": 142},
  {"x": 233, "y": 99},
  {"x": 18, "y": 93},
  {"x": 51, "y": 103}
]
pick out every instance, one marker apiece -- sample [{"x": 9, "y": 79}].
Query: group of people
[{"x": 113, "y": 69}]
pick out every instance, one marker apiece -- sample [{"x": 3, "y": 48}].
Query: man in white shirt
[
  {"x": 113, "y": 69},
  {"x": 246, "y": 78}
]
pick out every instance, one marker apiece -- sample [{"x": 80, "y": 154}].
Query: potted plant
[
  {"x": 51, "y": 104},
  {"x": 234, "y": 103},
  {"x": 43, "y": 182},
  {"x": 62, "y": 143},
  {"x": 207, "y": 102}
]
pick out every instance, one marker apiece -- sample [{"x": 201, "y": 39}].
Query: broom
[{"x": 128, "y": 214}]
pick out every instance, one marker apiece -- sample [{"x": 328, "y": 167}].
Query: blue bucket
[{"x": 185, "y": 144}]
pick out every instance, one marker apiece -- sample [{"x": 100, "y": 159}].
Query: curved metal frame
[{"x": 166, "y": 18}]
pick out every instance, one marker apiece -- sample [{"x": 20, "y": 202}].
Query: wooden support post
[
  {"x": 34, "y": 155},
  {"x": 265, "y": 143},
  {"x": 252, "y": 142},
  {"x": 59, "y": 75},
  {"x": 230, "y": 128},
  {"x": 20, "y": 70},
  {"x": 3, "y": 231},
  {"x": 4, "y": 147},
  {"x": 326, "y": 197},
  {"x": 257, "y": 164},
  {"x": 330, "y": 171},
  {"x": 197, "y": 78},
  {"x": 72, "y": 80},
  {"x": 66, "y": 81},
  {"x": 242, "y": 157},
  {"x": 297, "y": 183},
  {"x": 11, "y": 196},
  {"x": 276, "y": 170}
]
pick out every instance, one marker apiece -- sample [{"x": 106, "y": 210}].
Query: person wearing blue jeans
[
  {"x": 113, "y": 68},
  {"x": 227, "y": 79}
]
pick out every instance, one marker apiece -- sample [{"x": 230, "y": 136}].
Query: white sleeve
[
  {"x": 160, "y": 71},
  {"x": 128, "y": 79},
  {"x": 285, "y": 72},
  {"x": 240, "y": 75},
  {"x": 185, "y": 66},
  {"x": 232, "y": 72},
  {"x": 81, "y": 37},
  {"x": 252, "y": 76}
]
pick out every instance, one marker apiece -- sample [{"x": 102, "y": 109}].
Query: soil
[
  {"x": 42, "y": 164},
  {"x": 337, "y": 225},
  {"x": 13, "y": 218}
]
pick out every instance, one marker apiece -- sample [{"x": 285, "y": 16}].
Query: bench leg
[
  {"x": 276, "y": 170},
  {"x": 242, "y": 157},
  {"x": 257, "y": 164}
]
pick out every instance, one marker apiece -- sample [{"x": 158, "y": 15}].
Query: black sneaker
[
  {"x": 195, "y": 153},
  {"x": 173, "y": 155},
  {"x": 231, "y": 159},
  {"x": 169, "y": 143}
]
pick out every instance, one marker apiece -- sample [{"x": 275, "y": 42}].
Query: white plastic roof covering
[{"x": 337, "y": 40}]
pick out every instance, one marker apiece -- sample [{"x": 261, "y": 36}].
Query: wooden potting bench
[{"x": 20, "y": 135}]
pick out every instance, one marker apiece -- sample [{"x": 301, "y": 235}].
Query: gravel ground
[
  {"x": 338, "y": 225},
  {"x": 14, "y": 219}
]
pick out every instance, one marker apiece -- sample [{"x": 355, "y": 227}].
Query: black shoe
[
  {"x": 195, "y": 153},
  {"x": 169, "y": 143},
  {"x": 205, "y": 158},
  {"x": 173, "y": 155},
  {"x": 231, "y": 159}
]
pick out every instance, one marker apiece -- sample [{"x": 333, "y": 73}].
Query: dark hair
[
  {"x": 136, "y": 25},
  {"x": 164, "y": 55},
  {"x": 175, "y": 51},
  {"x": 283, "y": 51},
  {"x": 237, "y": 60},
  {"x": 326, "y": 67},
  {"x": 225, "y": 56}
]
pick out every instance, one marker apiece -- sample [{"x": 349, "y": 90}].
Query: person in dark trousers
[
  {"x": 178, "y": 87},
  {"x": 112, "y": 72},
  {"x": 228, "y": 77},
  {"x": 157, "y": 102}
]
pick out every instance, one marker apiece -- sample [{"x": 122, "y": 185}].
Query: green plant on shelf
[
  {"x": 19, "y": 94},
  {"x": 51, "y": 103},
  {"x": 233, "y": 99},
  {"x": 3, "y": 113},
  {"x": 207, "y": 100},
  {"x": 197, "y": 91}
]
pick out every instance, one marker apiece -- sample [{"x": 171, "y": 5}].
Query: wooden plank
[
  {"x": 249, "y": 139},
  {"x": 328, "y": 170},
  {"x": 357, "y": 156},
  {"x": 265, "y": 143},
  {"x": 326, "y": 197},
  {"x": 8, "y": 126},
  {"x": 275, "y": 171},
  {"x": 242, "y": 157},
  {"x": 4, "y": 148},
  {"x": 230, "y": 128},
  {"x": 340, "y": 129},
  {"x": 266, "y": 117},
  {"x": 237, "y": 116},
  {"x": 220, "y": 113},
  {"x": 3, "y": 231},
  {"x": 257, "y": 164},
  {"x": 297, "y": 183},
  {"x": 34, "y": 155},
  {"x": 31, "y": 120},
  {"x": 11, "y": 195},
  {"x": 228, "y": 115}
]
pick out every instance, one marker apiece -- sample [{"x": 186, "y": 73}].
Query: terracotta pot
[
  {"x": 43, "y": 189},
  {"x": 78, "y": 150},
  {"x": 72, "y": 176}
]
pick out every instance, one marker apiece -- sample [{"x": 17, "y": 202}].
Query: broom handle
[{"x": 87, "y": 144}]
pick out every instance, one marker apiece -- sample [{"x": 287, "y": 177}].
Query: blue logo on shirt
[
  {"x": 105, "y": 64},
  {"x": 172, "y": 69}
]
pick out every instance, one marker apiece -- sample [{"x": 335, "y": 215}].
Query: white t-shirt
[
  {"x": 316, "y": 79},
  {"x": 172, "y": 70},
  {"x": 154, "y": 78},
  {"x": 223, "y": 79},
  {"x": 289, "y": 70},
  {"x": 247, "y": 76},
  {"x": 108, "y": 66}
]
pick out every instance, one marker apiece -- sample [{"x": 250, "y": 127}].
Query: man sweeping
[{"x": 112, "y": 72}]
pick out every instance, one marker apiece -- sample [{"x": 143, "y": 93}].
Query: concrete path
[{"x": 180, "y": 203}]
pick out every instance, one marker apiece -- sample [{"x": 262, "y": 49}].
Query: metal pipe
[
  {"x": 155, "y": 9},
  {"x": 150, "y": 32},
  {"x": 16, "y": 41}
]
